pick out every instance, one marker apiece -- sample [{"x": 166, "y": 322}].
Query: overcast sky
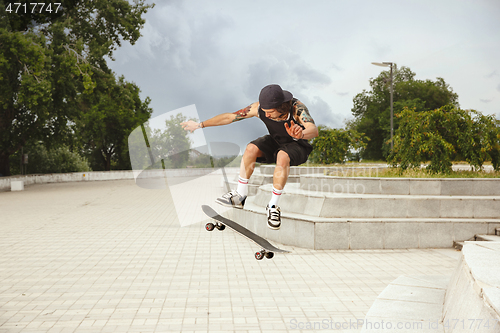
[{"x": 219, "y": 54}]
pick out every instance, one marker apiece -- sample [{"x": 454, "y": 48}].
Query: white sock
[
  {"x": 242, "y": 188},
  {"x": 275, "y": 197}
]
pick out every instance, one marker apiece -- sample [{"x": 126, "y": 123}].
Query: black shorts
[{"x": 298, "y": 151}]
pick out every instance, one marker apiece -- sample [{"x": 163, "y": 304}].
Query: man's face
[{"x": 272, "y": 113}]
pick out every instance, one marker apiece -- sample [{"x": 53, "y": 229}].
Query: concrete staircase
[
  {"x": 468, "y": 301},
  {"x": 328, "y": 212}
]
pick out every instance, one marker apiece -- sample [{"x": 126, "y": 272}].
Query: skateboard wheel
[
  {"x": 209, "y": 226},
  {"x": 269, "y": 255},
  {"x": 220, "y": 227},
  {"x": 259, "y": 255}
]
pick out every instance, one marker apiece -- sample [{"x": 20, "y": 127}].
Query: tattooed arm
[
  {"x": 224, "y": 118},
  {"x": 305, "y": 119}
]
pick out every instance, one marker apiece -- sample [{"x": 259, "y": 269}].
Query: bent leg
[
  {"x": 281, "y": 171},
  {"x": 247, "y": 166}
]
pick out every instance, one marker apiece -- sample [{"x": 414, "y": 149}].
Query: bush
[
  {"x": 441, "y": 135},
  {"x": 336, "y": 145},
  {"x": 55, "y": 160}
]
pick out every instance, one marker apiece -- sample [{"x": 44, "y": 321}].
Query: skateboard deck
[{"x": 268, "y": 249}]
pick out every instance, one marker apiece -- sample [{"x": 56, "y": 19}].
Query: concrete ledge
[
  {"x": 401, "y": 186},
  {"x": 408, "y": 304},
  {"x": 5, "y": 182},
  {"x": 325, "y": 204},
  {"x": 474, "y": 291},
  {"x": 321, "y": 233}
]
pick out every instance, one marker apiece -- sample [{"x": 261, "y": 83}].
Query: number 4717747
[{"x": 33, "y": 7}]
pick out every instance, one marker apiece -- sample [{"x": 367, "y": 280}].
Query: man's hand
[
  {"x": 295, "y": 131},
  {"x": 190, "y": 125}
]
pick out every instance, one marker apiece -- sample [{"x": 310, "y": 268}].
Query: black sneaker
[
  {"x": 273, "y": 217},
  {"x": 232, "y": 199}
]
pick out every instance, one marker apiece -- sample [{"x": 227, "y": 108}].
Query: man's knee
[
  {"x": 282, "y": 159},
  {"x": 252, "y": 150}
]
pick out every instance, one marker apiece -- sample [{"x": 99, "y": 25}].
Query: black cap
[{"x": 272, "y": 96}]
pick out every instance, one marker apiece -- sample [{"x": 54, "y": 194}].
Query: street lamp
[{"x": 387, "y": 64}]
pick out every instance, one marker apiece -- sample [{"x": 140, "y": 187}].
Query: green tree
[
  {"x": 440, "y": 136},
  {"x": 371, "y": 109},
  {"x": 106, "y": 119},
  {"x": 335, "y": 145},
  {"x": 47, "y": 60}
]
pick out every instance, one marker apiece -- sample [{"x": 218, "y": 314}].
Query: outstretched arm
[{"x": 223, "y": 118}]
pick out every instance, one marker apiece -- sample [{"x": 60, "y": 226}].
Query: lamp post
[{"x": 389, "y": 64}]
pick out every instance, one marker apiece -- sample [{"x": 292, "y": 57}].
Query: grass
[{"x": 413, "y": 173}]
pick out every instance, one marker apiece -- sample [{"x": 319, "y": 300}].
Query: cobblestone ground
[{"x": 111, "y": 257}]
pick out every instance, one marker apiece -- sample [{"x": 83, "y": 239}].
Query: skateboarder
[{"x": 290, "y": 126}]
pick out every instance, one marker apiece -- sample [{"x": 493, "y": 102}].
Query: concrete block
[
  {"x": 401, "y": 235},
  {"x": 492, "y": 227},
  {"x": 395, "y": 186},
  {"x": 390, "y": 207},
  {"x": 465, "y": 231},
  {"x": 481, "y": 259},
  {"x": 304, "y": 233},
  {"x": 347, "y": 207},
  {"x": 367, "y": 186},
  {"x": 311, "y": 183},
  {"x": 435, "y": 235},
  {"x": 487, "y": 208},
  {"x": 413, "y": 294},
  {"x": 331, "y": 236},
  {"x": 287, "y": 234},
  {"x": 313, "y": 206},
  {"x": 423, "y": 281},
  {"x": 486, "y": 187},
  {"x": 293, "y": 203},
  {"x": 342, "y": 186},
  {"x": 421, "y": 208},
  {"x": 456, "y": 186},
  {"x": 366, "y": 235},
  {"x": 492, "y": 297},
  {"x": 459, "y": 208},
  {"x": 425, "y": 187},
  {"x": 17, "y": 185},
  {"x": 262, "y": 197},
  {"x": 403, "y": 310}
]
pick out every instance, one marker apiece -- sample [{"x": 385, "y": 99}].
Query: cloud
[
  {"x": 287, "y": 69},
  {"x": 498, "y": 87},
  {"x": 485, "y": 100},
  {"x": 322, "y": 113}
]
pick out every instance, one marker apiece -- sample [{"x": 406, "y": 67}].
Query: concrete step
[
  {"x": 497, "y": 231},
  {"x": 474, "y": 289},
  {"x": 401, "y": 186},
  {"x": 335, "y": 205},
  {"x": 341, "y": 170},
  {"x": 487, "y": 238},
  {"x": 409, "y": 304},
  {"x": 322, "y": 233}
]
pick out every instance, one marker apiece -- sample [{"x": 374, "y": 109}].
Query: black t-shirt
[{"x": 277, "y": 128}]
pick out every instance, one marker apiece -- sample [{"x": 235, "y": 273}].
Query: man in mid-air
[{"x": 290, "y": 126}]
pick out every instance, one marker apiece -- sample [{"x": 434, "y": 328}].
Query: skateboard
[{"x": 268, "y": 249}]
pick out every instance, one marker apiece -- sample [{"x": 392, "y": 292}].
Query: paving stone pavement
[{"x": 111, "y": 257}]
